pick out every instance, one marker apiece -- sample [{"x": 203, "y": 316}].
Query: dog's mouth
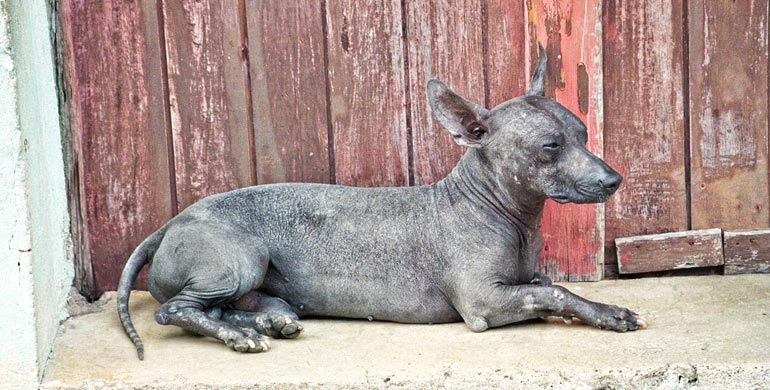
[
  {"x": 592, "y": 193},
  {"x": 561, "y": 199},
  {"x": 582, "y": 194}
]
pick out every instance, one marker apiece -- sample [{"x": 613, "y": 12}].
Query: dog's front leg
[{"x": 508, "y": 304}]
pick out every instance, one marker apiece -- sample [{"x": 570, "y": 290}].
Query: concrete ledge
[{"x": 705, "y": 332}]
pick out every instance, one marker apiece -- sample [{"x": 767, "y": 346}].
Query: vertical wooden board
[
  {"x": 444, "y": 41},
  {"x": 729, "y": 114},
  {"x": 207, "y": 97},
  {"x": 506, "y": 58},
  {"x": 367, "y": 92},
  {"x": 571, "y": 33},
  {"x": 118, "y": 128},
  {"x": 288, "y": 84},
  {"x": 68, "y": 115},
  {"x": 644, "y": 119}
]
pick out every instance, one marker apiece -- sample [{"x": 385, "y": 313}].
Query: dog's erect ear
[
  {"x": 465, "y": 120},
  {"x": 537, "y": 85}
]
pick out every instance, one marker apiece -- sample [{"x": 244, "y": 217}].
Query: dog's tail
[{"x": 135, "y": 263}]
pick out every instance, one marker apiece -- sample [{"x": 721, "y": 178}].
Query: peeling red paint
[
  {"x": 506, "y": 57},
  {"x": 288, "y": 77},
  {"x": 211, "y": 148},
  {"x": 573, "y": 232},
  {"x": 438, "y": 34},
  {"x": 370, "y": 149}
]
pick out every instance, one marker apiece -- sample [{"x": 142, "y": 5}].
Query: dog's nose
[{"x": 611, "y": 182}]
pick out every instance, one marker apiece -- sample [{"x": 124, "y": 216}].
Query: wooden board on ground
[
  {"x": 117, "y": 124},
  {"x": 207, "y": 95},
  {"x": 572, "y": 234},
  {"x": 669, "y": 251},
  {"x": 367, "y": 86},
  {"x": 747, "y": 251},
  {"x": 288, "y": 86},
  {"x": 729, "y": 113},
  {"x": 444, "y": 41},
  {"x": 644, "y": 133}
]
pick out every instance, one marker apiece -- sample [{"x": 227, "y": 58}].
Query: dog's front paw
[{"x": 617, "y": 318}]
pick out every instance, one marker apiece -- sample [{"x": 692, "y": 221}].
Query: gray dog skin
[{"x": 246, "y": 264}]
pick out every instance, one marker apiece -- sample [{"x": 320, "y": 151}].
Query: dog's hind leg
[
  {"x": 267, "y": 315},
  {"x": 200, "y": 266},
  {"x": 189, "y": 315}
]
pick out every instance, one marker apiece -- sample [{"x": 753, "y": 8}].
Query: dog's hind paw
[
  {"x": 287, "y": 327},
  {"x": 277, "y": 325},
  {"x": 249, "y": 341}
]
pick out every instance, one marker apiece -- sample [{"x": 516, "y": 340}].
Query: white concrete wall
[
  {"x": 18, "y": 344},
  {"x": 35, "y": 256},
  {"x": 46, "y": 189}
]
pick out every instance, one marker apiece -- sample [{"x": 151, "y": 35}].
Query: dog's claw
[
  {"x": 567, "y": 319},
  {"x": 641, "y": 322}
]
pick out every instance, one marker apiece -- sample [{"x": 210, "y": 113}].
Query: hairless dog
[{"x": 247, "y": 264}]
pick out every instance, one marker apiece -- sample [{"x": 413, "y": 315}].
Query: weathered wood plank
[
  {"x": 68, "y": 109},
  {"x": 444, "y": 40},
  {"x": 367, "y": 87},
  {"x": 118, "y": 130},
  {"x": 572, "y": 234},
  {"x": 644, "y": 119},
  {"x": 747, "y": 251},
  {"x": 729, "y": 114},
  {"x": 506, "y": 58},
  {"x": 207, "y": 97},
  {"x": 669, "y": 251},
  {"x": 288, "y": 84}
]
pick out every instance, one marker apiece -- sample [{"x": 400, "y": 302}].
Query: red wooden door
[{"x": 170, "y": 101}]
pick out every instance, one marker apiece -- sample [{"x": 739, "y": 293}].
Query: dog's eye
[{"x": 551, "y": 146}]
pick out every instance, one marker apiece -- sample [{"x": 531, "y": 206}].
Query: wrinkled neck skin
[{"x": 508, "y": 208}]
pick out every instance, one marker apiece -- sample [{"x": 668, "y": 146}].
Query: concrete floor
[{"x": 704, "y": 332}]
